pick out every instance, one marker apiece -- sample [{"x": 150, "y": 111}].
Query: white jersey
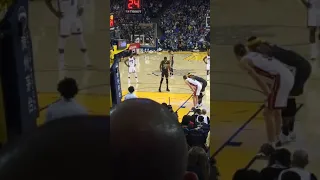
[
  {"x": 193, "y": 82},
  {"x": 268, "y": 67},
  {"x": 132, "y": 62},
  {"x": 69, "y": 8}
]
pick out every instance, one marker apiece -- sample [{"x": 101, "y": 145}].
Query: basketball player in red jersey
[
  {"x": 172, "y": 62},
  {"x": 258, "y": 65}
]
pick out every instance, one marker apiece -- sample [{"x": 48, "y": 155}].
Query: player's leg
[
  {"x": 312, "y": 24},
  {"x": 289, "y": 113},
  {"x": 162, "y": 76},
  {"x": 167, "y": 80},
  {"x": 64, "y": 33},
  {"x": 129, "y": 75},
  {"x": 269, "y": 122},
  {"x": 198, "y": 92},
  {"x": 135, "y": 74},
  {"x": 171, "y": 69},
  {"x": 281, "y": 102},
  {"x": 77, "y": 31}
]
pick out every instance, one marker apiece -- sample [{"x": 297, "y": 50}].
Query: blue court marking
[{"x": 229, "y": 141}]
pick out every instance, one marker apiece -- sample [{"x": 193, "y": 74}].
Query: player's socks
[
  {"x": 61, "y": 59},
  {"x": 314, "y": 51},
  {"x": 167, "y": 82},
  {"x": 86, "y": 57},
  {"x": 129, "y": 80},
  {"x": 136, "y": 76},
  {"x": 160, "y": 84},
  {"x": 83, "y": 49},
  {"x": 61, "y": 46}
]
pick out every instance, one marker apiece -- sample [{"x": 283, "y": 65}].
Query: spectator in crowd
[
  {"x": 198, "y": 162},
  {"x": 69, "y": 148},
  {"x": 279, "y": 160},
  {"x": 203, "y": 114},
  {"x": 202, "y": 125},
  {"x": 67, "y": 105},
  {"x": 197, "y": 137},
  {"x": 300, "y": 160},
  {"x": 290, "y": 175},
  {"x": 131, "y": 94},
  {"x": 246, "y": 174},
  {"x": 184, "y": 25},
  {"x": 147, "y": 143}
]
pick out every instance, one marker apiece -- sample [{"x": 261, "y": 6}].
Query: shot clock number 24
[{"x": 133, "y": 7}]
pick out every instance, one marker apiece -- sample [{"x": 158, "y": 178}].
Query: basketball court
[
  {"x": 94, "y": 83},
  {"x": 238, "y": 131},
  {"x": 149, "y": 79}
]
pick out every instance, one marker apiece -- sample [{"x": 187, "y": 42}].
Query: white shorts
[
  {"x": 280, "y": 91},
  {"x": 314, "y": 18},
  {"x": 70, "y": 26},
  {"x": 132, "y": 69},
  {"x": 198, "y": 90},
  {"x": 208, "y": 67}
]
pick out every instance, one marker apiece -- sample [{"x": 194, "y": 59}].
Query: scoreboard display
[
  {"x": 133, "y": 6},
  {"x": 111, "y": 22}
]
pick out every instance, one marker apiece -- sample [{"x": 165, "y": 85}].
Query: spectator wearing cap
[
  {"x": 67, "y": 105},
  {"x": 131, "y": 94},
  {"x": 300, "y": 160}
]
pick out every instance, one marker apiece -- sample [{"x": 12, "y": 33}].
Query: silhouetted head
[
  {"x": 68, "y": 88},
  {"x": 239, "y": 50},
  {"x": 165, "y": 58},
  {"x": 141, "y": 132},
  {"x": 184, "y": 77},
  {"x": 74, "y": 147},
  {"x": 281, "y": 156},
  {"x": 300, "y": 158},
  {"x": 131, "y": 89}
]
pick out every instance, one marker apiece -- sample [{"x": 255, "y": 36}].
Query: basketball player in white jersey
[
  {"x": 313, "y": 8},
  {"x": 206, "y": 60},
  {"x": 277, "y": 93},
  {"x": 196, "y": 87},
  {"x": 69, "y": 13},
  {"x": 131, "y": 63}
]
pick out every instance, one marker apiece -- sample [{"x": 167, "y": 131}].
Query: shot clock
[{"x": 133, "y": 6}]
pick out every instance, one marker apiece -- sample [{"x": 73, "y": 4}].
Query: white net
[{"x": 145, "y": 34}]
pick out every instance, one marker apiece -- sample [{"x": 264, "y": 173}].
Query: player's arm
[
  {"x": 126, "y": 62},
  {"x": 246, "y": 65},
  {"x": 161, "y": 66},
  {"x": 205, "y": 60},
  {"x": 52, "y": 9},
  {"x": 191, "y": 87}
]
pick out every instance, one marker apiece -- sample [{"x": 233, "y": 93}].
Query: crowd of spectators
[
  {"x": 184, "y": 25},
  {"x": 282, "y": 165}
]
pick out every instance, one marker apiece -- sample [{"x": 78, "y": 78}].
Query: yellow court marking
[
  {"x": 95, "y": 104},
  {"x": 227, "y": 118},
  {"x": 176, "y": 100},
  {"x": 196, "y": 56}
]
